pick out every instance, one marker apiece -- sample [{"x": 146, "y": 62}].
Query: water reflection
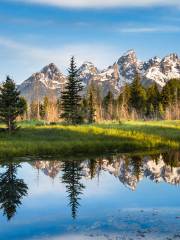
[
  {"x": 12, "y": 190},
  {"x": 72, "y": 174},
  {"x": 128, "y": 170}
]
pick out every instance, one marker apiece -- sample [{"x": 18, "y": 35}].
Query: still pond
[{"x": 123, "y": 196}]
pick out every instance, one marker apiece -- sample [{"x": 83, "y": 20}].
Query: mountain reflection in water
[
  {"x": 74, "y": 175},
  {"x": 129, "y": 170}
]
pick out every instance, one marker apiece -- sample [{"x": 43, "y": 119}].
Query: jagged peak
[
  {"x": 155, "y": 59},
  {"x": 50, "y": 68},
  {"x": 129, "y": 52},
  {"x": 88, "y": 63},
  {"x": 171, "y": 56},
  {"x": 88, "y": 68},
  {"x": 129, "y": 56}
]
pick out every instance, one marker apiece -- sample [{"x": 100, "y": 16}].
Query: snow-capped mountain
[
  {"x": 161, "y": 71},
  {"x": 50, "y": 81},
  {"x": 155, "y": 70},
  {"x": 156, "y": 171},
  {"x": 87, "y": 71}
]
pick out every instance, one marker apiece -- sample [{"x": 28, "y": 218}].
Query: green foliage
[
  {"x": 137, "y": 96},
  {"x": 23, "y": 106},
  {"x": 108, "y": 103},
  {"x": 124, "y": 97},
  {"x": 44, "y": 108},
  {"x": 170, "y": 93},
  {"x": 161, "y": 111},
  {"x": 108, "y": 99},
  {"x": 11, "y": 104},
  {"x": 91, "y": 105},
  {"x": 150, "y": 102},
  {"x": 153, "y": 100},
  {"x": 71, "y": 98}
]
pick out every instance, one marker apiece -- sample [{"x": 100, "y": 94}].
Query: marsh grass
[{"x": 37, "y": 138}]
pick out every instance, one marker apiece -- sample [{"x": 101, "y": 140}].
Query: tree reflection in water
[
  {"x": 129, "y": 169},
  {"x": 12, "y": 190},
  {"x": 72, "y": 175}
]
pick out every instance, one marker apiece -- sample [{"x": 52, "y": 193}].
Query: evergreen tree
[
  {"x": 170, "y": 93},
  {"x": 90, "y": 106},
  {"x": 123, "y": 102},
  {"x": 44, "y": 107},
  {"x": 151, "y": 111},
  {"x": 125, "y": 95},
  {"x": 153, "y": 100},
  {"x": 11, "y": 104},
  {"x": 98, "y": 101},
  {"x": 138, "y": 96},
  {"x": 161, "y": 111},
  {"x": 23, "y": 107},
  {"x": 11, "y": 190},
  {"x": 84, "y": 108},
  {"x": 108, "y": 104},
  {"x": 71, "y": 98}
]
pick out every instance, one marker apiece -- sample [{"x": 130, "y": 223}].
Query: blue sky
[{"x": 34, "y": 33}]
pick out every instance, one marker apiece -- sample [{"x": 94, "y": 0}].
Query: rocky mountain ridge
[{"x": 50, "y": 81}]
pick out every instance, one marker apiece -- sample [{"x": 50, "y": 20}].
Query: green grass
[{"x": 36, "y": 138}]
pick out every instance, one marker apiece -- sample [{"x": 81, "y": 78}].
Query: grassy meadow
[{"x": 37, "y": 138}]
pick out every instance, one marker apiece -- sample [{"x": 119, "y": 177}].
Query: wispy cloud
[
  {"x": 75, "y": 236},
  {"x": 8, "y": 19},
  {"x": 27, "y": 57},
  {"x": 35, "y": 22},
  {"x": 102, "y": 3},
  {"x": 156, "y": 29}
]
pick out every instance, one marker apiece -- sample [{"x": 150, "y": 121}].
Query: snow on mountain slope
[
  {"x": 87, "y": 71},
  {"x": 113, "y": 78},
  {"x": 128, "y": 66},
  {"x": 48, "y": 82}
]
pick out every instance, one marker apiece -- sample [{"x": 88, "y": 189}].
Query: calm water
[{"x": 117, "y": 197}]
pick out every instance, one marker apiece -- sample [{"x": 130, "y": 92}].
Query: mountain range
[{"x": 50, "y": 81}]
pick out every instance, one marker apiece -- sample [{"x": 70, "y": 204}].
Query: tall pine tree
[
  {"x": 170, "y": 93},
  {"x": 138, "y": 96},
  {"x": 153, "y": 100},
  {"x": 91, "y": 105},
  {"x": 71, "y": 98},
  {"x": 11, "y": 104}
]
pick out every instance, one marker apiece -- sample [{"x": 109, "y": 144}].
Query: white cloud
[
  {"x": 103, "y": 3},
  {"x": 159, "y": 29},
  {"x": 74, "y": 236}
]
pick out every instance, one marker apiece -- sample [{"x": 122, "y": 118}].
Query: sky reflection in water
[{"x": 117, "y": 197}]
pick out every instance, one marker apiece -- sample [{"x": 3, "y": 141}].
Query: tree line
[{"x": 74, "y": 107}]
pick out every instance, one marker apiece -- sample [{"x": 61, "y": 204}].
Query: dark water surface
[{"x": 115, "y": 197}]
